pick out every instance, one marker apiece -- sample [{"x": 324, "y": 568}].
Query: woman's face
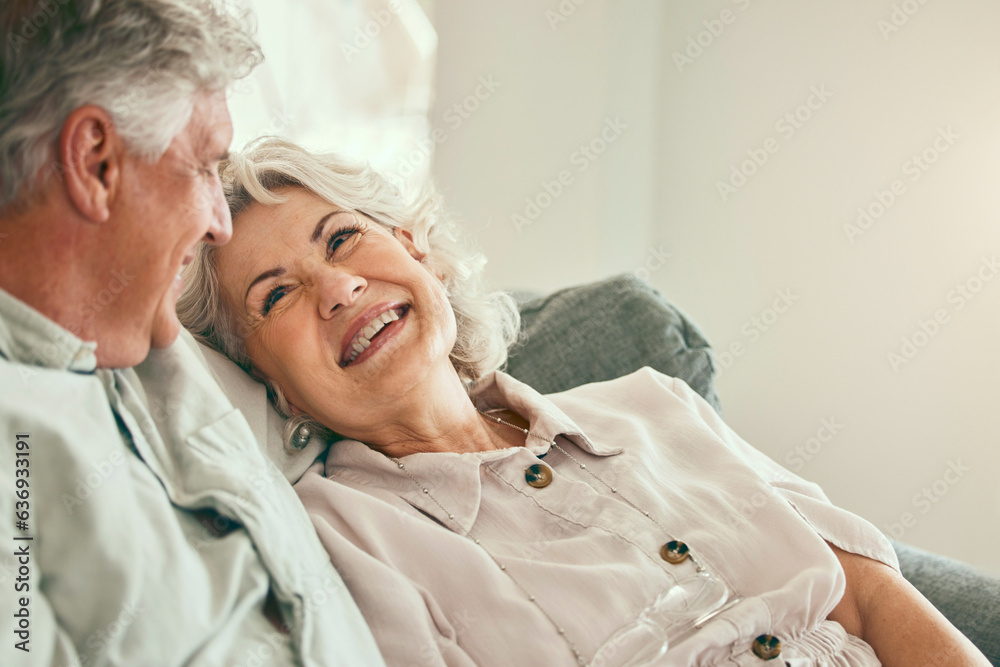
[{"x": 311, "y": 284}]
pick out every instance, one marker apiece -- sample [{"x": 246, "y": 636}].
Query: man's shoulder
[
  {"x": 69, "y": 431},
  {"x": 35, "y": 394},
  {"x": 182, "y": 394},
  {"x": 176, "y": 382}
]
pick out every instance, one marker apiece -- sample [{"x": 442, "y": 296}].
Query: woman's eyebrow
[
  {"x": 316, "y": 236},
  {"x": 318, "y": 231},
  {"x": 264, "y": 276}
]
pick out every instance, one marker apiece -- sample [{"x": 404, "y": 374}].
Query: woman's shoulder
[
  {"x": 645, "y": 393},
  {"x": 643, "y": 383}
]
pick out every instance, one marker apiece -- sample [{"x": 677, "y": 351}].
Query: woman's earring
[{"x": 302, "y": 435}]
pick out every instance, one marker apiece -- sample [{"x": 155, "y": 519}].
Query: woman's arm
[{"x": 888, "y": 613}]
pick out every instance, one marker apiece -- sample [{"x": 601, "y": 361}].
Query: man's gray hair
[
  {"x": 143, "y": 61},
  {"x": 487, "y": 321}
]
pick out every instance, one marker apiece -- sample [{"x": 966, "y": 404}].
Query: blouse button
[
  {"x": 674, "y": 552},
  {"x": 538, "y": 476},
  {"x": 767, "y": 647}
]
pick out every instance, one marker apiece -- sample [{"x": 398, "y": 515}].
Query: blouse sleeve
[
  {"x": 838, "y": 526},
  {"x": 408, "y": 626}
]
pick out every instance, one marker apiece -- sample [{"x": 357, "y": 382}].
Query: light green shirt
[{"x": 156, "y": 528}]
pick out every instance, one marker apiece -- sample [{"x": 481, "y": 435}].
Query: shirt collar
[
  {"x": 545, "y": 420},
  {"x": 453, "y": 479},
  {"x": 28, "y": 337}
]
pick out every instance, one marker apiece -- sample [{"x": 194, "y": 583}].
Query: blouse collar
[{"x": 453, "y": 479}]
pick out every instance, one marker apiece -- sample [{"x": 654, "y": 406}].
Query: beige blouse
[{"x": 434, "y": 597}]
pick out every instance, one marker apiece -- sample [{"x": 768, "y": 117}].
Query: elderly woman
[{"x": 478, "y": 522}]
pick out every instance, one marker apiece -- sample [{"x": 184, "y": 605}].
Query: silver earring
[{"x": 302, "y": 435}]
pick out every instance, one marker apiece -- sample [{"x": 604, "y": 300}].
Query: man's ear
[{"x": 90, "y": 157}]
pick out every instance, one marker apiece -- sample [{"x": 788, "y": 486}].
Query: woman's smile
[{"x": 370, "y": 332}]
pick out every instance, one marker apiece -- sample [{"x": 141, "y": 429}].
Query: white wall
[
  {"x": 352, "y": 76},
  {"x": 654, "y": 190}
]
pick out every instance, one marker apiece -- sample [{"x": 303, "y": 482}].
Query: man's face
[{"x": 165, "y": 209}]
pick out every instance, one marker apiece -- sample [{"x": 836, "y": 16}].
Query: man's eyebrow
[
  {"x": 318, "y": 231},
  {"x": 264, "y": 276}
]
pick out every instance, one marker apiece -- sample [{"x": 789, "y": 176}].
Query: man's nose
[{"x": 221, "y": 229}]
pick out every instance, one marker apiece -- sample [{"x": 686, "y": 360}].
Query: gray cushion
[
  {"x": 605, "y": 330},
  {"x": 608, "y": 329}
]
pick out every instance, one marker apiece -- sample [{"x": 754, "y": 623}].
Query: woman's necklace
[{"x": 673, "y": 552}]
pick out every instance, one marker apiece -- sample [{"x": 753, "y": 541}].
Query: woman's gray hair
[
  {"x": 487, "y": 322},
  {"x": 143, "y": 61}
]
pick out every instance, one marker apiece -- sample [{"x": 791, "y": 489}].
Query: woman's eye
[
  {"x": 339, "y": 238},
  {"x": 273, "y": 297}
]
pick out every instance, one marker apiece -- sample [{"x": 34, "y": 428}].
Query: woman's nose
[{"x": 338, "y": 289}]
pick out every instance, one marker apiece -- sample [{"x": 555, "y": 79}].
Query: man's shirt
[{"x": 148, "y": 528}]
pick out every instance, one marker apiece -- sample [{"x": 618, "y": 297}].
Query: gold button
[
  {"x": 538, "y": 476},
  {"x": 675, "y": 552},
  {"x": 767, "y": 647}
]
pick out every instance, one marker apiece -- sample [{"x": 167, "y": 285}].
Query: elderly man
[{"x": 136, "y": 527}]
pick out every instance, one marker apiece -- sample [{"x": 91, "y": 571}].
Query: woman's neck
[{"x": 440, "y": 417}]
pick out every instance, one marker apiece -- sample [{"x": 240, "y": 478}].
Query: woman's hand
[{"x": 886, "y": 611}]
